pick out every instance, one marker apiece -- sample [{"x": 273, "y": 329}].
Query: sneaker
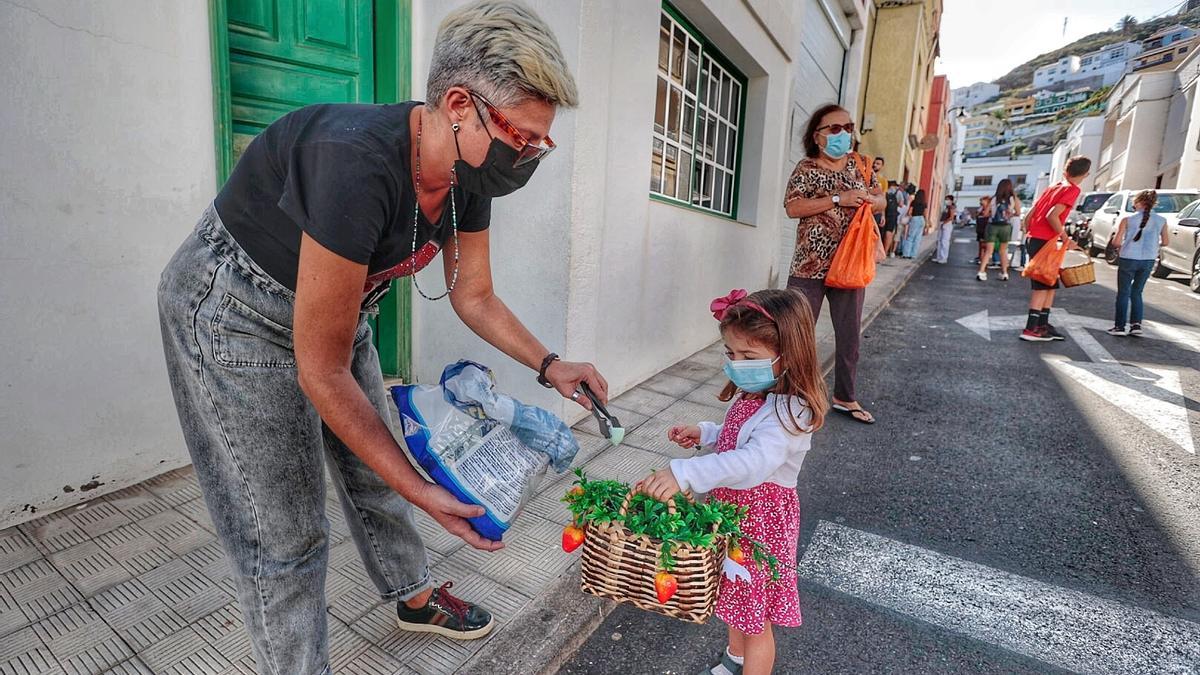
[
  {"x": 446, "y": 615},
  {"x": 727, "y": 666},
  {"x": 994, "y": 266},
  {"x": 1135, "y": 329},
  {"x": 1053, "y": 333},
  {"x": 1003, "y": 277},
  {"x": 982, "y": 276},
  {"x": 1119, "y": 331},
  {"x": 974, "y": 261},
  {"x": 1036, "y": 334}
]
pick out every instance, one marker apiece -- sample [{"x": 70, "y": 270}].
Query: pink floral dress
[{"x": 773, "y": 520}]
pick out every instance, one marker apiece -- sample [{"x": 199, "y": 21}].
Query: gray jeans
[{"x": 259, "y": 449}]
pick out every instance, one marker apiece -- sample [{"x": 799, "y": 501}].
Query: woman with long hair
[
  {"x": 1005, "y": 206},
  {"x": 824, "y": 191},
  {"x": 916, "y": 226},
  {"x": 1138, "y": 240}
]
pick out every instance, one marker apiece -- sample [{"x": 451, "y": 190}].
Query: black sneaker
[
  {"x": 1118, "y": 331},
  {"x": 446, "y": 615},
  {"x": 1135, "y": 329},
  {"x": 1052, "y": 333}
]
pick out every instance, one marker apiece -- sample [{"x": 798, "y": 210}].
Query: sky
[{"x": 984, "y": 39}]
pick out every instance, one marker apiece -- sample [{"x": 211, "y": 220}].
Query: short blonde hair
[{"x": 503, "y": 50}]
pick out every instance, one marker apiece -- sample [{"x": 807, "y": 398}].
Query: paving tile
[
  {"x": 136, "y": 502},
  {"x": 23, "y": 653},
  {"x": 532, "y": 557},
  {"x": 695, "y": 369},
  {"x": 11, "y": 616},
  {"x": 713, "y": 357},
  {"x": 435, "y": 536},
  {"x": 374, "y": 661},
  {"x": 353, "y": 599},
  {"x": 184, "y": 653},
  {"x": 176, "y": 531},
  {"x": 96, "y": 517},
  {"x": 193, "y": 596},
  {"x": 547, "y": 502},
  {"x": 644, "y": 401},
  {"x": 225, "y": 630},
  {"x": 89, "y": 568},
  {"x": 174, "y": 487},
  {"x": 707, "y": 394},
  {"x": 242, "y": 666},
  {"x": 690, "y": 412},
  {"x": 133, "y": 666},
  {"x": 344, "y": 645},
  {"x": 626, "y": 464},
  {"x": 53, "y": 533},
  {"x": 670, "y": 385},
  {"x": 39, "y": 589},
  {"x": 16, "y": 550},
  {"x": 210, "y": 561},
  {"x": 81, "y": 641},
  {"x": 652, "y": 436},
  {"x": 197, "y": 512}
]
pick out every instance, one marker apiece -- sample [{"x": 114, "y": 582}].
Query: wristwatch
[{"x": 837, "y": 200}]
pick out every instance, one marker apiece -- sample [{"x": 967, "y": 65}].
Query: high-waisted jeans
[{"x": 260, "y": 450}]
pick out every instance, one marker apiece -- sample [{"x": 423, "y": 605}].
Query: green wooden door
[
  {"x": 273, "y": 56},
  {"x": 285, "y": 54}
]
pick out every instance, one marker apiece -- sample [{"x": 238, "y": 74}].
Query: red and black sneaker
[
  {"x": 446, "y": 615},
  {"x": 1035, "y": 334},
  {"x": 1053, "y": 332}
]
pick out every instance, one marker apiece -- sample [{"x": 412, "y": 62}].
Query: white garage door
[{"x": 820, "y": 52}]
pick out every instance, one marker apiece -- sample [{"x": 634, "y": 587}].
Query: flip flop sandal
[{"x": 849, "y": 412}]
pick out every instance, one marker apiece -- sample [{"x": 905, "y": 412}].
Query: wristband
[{"x": 541, "y": 378}]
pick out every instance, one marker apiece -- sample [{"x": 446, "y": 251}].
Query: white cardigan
[{"x": 765, "y": 452}]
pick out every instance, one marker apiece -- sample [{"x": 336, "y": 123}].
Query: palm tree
[{"x": 1127, "y": 24}]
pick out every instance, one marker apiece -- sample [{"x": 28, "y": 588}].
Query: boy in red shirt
[{"x": 1046, "y": 221}]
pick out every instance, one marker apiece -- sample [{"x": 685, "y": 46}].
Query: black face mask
[{"x": 496, "y": 176}]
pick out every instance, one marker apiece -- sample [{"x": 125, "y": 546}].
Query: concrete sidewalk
[{"x": 135, "y": 581}]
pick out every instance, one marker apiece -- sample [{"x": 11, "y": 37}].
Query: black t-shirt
[{"x": 340, "y": 173}]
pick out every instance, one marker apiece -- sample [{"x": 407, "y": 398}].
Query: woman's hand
[
  {"x": 566, "y": 376},
  {"x": 684, "y": 436},
  {"x": 660, "y": 485},
  {"x": 852, "y": 199},
  {"x": 452, "y": 515}
]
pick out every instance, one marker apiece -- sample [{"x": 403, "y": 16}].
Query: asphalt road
[{"x": 1019, "y": 507}]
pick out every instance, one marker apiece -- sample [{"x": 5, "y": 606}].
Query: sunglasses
[
  {"x": 526, "y": 151},
  {"x": 838, "y": 128}
]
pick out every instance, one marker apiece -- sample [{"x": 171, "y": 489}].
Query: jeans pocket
[{"x": 242, "y": 336}]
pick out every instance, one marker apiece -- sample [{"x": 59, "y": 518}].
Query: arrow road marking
[
  {"x": 1152, "y": 396},
  {"x": 1059, "y": 626}
]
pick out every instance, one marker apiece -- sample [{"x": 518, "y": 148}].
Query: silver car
[
  {"x": 1182, "y": 252},
  {"x": 1120, "y": 205}
]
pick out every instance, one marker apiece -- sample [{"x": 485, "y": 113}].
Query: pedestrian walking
[
  {"x": 983, "y": 215},
  {"x": 1138, "y": 240},
  {"x": 916, "y": 227},
  {"x": 777, "y": 401},
  {"x": 1047, "y": 221},
  {"x": 891, "y": 218},
  {"x": 945, "y": 230},
  {"x": 1005, "y": 206},
  {"x": 264, "y": 314},
  {"x": 823, "y": 192},
  {"x": 1020, "y": 226}
]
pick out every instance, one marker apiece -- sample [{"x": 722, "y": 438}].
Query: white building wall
[
  {"x": 1189, "y": 163},
  {"x": 1083, "y": 138},
  {"x": 107, "y": 163},
  {"x": 1031, "y": 166},
  {"x": 595, "y": 268}
]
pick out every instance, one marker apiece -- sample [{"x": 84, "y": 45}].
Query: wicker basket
[
  {"x": 1078, "y": 275},
  {"x": 620, "y": 566}
]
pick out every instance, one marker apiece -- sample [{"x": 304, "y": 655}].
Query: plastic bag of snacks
[{"x": 484, "y": 446}]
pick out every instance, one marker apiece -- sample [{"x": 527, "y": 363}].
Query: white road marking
[
  {"x": 1152, "y": 396},
  {"x": 963, "y": 240},
  {"x": 1059, "y": 626},
  {"x": 983, "y": 324}
]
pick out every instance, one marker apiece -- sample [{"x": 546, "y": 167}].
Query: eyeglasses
[
  {"x": 838, "y": 128},
  {"x": 526, "y": 151}
]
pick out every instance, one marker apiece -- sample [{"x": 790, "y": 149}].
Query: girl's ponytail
[{"x": 1147, "y": 198}]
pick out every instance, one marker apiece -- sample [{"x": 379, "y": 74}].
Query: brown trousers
[{"x": 845, "y": 309}]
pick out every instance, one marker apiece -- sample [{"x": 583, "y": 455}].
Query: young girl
[
  {"x": 1138, "y": 239},
  {"x": 778, "y": 401}
]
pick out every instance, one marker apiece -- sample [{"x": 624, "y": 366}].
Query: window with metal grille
[{"x": 699, "y": 106}]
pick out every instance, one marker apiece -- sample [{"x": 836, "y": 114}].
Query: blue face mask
[
  {"x": 837, "y": 145},
  {"x": 754, "y": 376}
]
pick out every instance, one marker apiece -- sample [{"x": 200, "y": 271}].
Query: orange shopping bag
[
  {"x": 853, "y": 263},
  {"x": 1046, "y": 265}
]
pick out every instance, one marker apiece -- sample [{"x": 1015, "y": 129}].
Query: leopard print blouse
[{"x": 817, "y": 236}]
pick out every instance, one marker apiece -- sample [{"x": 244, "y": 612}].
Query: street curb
[
  {"x": 548, "y": 632},
  {"x": 544, "y": 635}
]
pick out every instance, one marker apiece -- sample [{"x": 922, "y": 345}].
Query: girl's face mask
[{"x": 752, "y": 375}]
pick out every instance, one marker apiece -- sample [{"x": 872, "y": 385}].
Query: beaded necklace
[{"x": 416, "y": 219}]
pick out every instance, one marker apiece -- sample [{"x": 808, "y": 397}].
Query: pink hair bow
[{"x": 721, "y": 305}]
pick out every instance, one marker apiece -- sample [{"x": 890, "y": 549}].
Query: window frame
[
  {"x": 975, "y": 180},
  {"x": 709, "y": 50}
]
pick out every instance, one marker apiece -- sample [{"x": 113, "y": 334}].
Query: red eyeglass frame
[{"x": 528, "y": 152}]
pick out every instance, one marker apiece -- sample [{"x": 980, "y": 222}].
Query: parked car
[
  {"x": 1079, "y": 222},
  {"x": 1120, "y": 205},
  {"x": 1182, "y": 252}
]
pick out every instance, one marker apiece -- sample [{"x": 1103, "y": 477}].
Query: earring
[{"x": 455, "y": 127}]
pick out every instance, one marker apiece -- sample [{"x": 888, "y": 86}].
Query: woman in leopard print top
[{"x": 824, "y": 191}]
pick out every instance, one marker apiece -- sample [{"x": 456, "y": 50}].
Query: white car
[
  {"x": 1182, "y": 252},
  {"x": 1120, "y": 205}
]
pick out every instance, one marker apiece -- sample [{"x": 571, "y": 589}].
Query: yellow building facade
[{"x": 903, "y": 47}]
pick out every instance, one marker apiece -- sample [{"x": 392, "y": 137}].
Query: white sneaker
[
  {"x": 1003, "y": 277},
  {"x": 982, "y": 276}
]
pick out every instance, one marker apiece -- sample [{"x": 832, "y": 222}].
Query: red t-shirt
[{"x": 1039, "y": 222}]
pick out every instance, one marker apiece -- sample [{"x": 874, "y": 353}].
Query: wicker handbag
[
  {"x": 620, "y": 565},
  {"x": 1078, "y": 275}
]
